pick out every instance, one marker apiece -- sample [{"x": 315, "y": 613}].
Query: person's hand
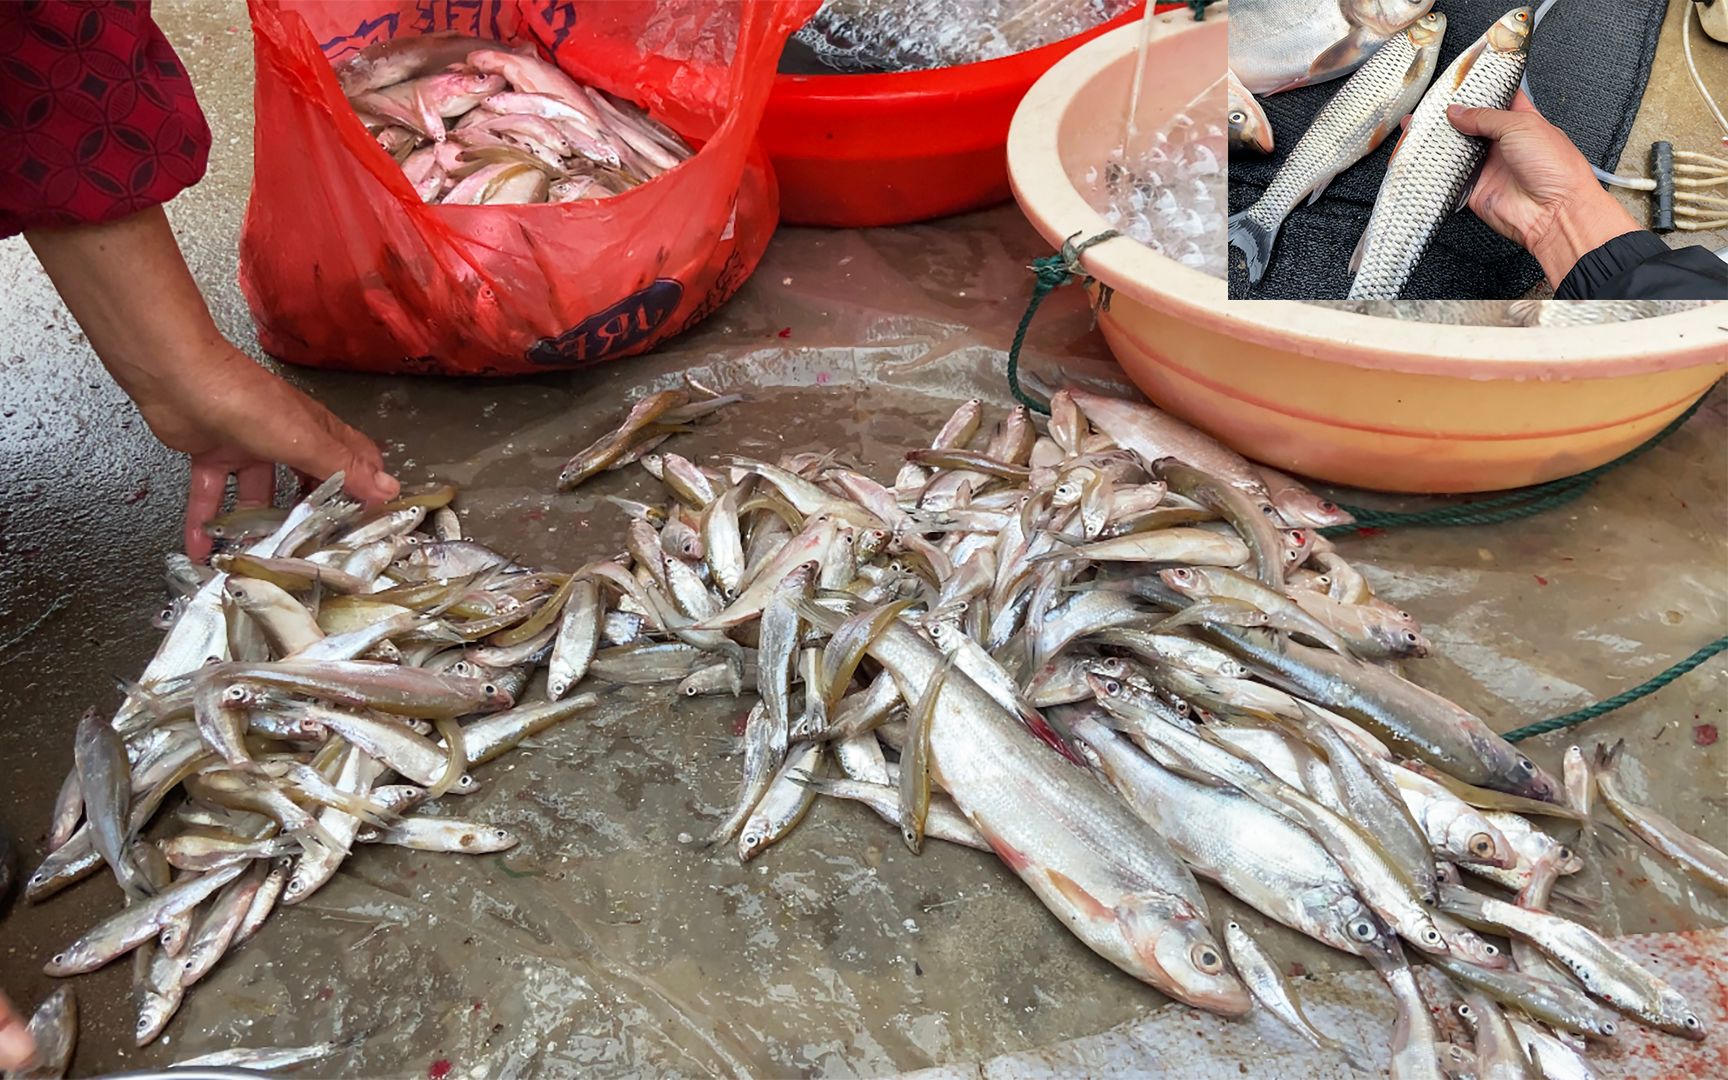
[
  {"x": 1537, "y": 190},
  {"x": 16, "y": 1045},
  {"x": 127, "y": 284},
  {"x": 237, "y": 419}
]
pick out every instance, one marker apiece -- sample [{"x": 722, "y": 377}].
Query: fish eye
[
  {"x": 499, "y": 834},
  {"x": 1526, "y": 765},
  {"x": 1686, "y": 1021},
  {"x": 1362, "y": 930},
  {"x": 1565, "y": 853},
  {"x": 1466, "y": 1012},
  {"x": 296, "y": 885},
  {"x": 1233, "y": 925},
  {"x": 689, "y": 691},
  {"x": 1328, "y": 506},
  {"x": 489, "y": 689},
  {"x": 1238, "y": 117},
  {"x": 1490, "y": 949},
  {"x": 234, "y": 693},
  {"x": 1482, "y": 844},
  {"x": 59, "y": 958},
  {"x": 1410, "y": 637},
  {"x": 1431, "y": 936},
  {"x": 1112, "y": 687},
  {"x": 1206, "y": 958}
]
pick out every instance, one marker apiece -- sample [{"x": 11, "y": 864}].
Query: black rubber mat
[{"x": 1589, "y": 61}]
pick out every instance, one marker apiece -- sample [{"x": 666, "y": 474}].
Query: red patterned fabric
[{"x": 97, "y": 115}]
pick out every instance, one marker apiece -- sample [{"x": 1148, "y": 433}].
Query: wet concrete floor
[{"x": 607, "y": 942}]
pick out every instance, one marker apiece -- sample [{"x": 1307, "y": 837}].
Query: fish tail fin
[{"x": 1254, "y": 239}]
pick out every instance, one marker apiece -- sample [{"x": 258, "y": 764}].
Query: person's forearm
[
  {"x": 128, "y": 286},
  {"x": 1578, "y": 227}
]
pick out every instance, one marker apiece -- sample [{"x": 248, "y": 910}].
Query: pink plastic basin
[{"x": 1374, "y": 403}]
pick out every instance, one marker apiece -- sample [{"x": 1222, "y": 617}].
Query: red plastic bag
[{"x": 345, "y": 267}]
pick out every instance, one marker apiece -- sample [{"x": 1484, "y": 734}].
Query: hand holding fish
[
  {"x": 126, "y": 283},
  {"x": 237, "y": 419},
  {"x": 1536, "y": 188},
  {"x": 16, "y": 1045}
]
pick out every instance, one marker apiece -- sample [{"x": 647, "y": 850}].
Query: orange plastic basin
[
  {"x": 863, "y": 150},
  {"x": 1374, "y": 403}
]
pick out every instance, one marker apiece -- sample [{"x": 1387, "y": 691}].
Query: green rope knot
[{"x": 1052, "y": 272}]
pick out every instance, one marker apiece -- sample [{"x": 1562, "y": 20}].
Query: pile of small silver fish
[
  {"x": 1389, "y": 50},
  {"x": 333, "y": 671},
  {"x": 475, "y": 124},
  {"x": 1123, "y": 658}
]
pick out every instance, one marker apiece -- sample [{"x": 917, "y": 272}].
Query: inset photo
[{"x": 1479, "y": 153}]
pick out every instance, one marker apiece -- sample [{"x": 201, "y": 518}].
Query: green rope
[
  {"x": 1052, "y": 272},
  {"x": 1644, "y": 689},
  {"x": 1511, "y": 506},
  {"x": 1198, "y": 7}
]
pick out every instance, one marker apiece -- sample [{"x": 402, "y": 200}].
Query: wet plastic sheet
[{"x": 611, "y": 944}]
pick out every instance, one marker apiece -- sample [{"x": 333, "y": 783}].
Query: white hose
[
  {"x": 1635, "y": 183},
  {"x": 1692, "y": 64}
]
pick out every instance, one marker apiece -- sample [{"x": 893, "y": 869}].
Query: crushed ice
[
  {"x": 915, "y": 35},
  {"x": 1168, "y": 191}
]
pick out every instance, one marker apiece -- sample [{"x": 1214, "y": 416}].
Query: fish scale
[{"x": 1434, "y": 160}]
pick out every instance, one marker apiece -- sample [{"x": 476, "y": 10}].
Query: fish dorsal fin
[{"x": 1461, "y": 70}]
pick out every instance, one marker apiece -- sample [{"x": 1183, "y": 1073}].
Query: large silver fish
[
  {"x": 1111, "y": 879},
  {"x": 1360, "y": 115},
  {"x": 1434, "y": 161},
  {"x": 1282, "y": 44}
]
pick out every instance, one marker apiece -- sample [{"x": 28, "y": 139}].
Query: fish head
[
  {"x": 1428, "y": 30},
  {"x": 1350, "y": 925},
  {"x": 1184, "y": 579},
  {"x": 1295, "y": 505},
  {"x": 1464, "y": 942},
  {"x": 154, "y": 1012},
  {"x": 1516, "y": 774},
  {"x": 1398, "y": 640},
  {"x": 1675, "y": 1016},
  {"x": 1473, "y": 839},
  {"x": 1249, "y": 129},
  {"x": 1172, "y": 940},
  {"x": 76, "y": 957},
  {"x": 1512, "y": 33},
  {"x": 494, "y": 697},
  {"x": 1386, "y": 17}
]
